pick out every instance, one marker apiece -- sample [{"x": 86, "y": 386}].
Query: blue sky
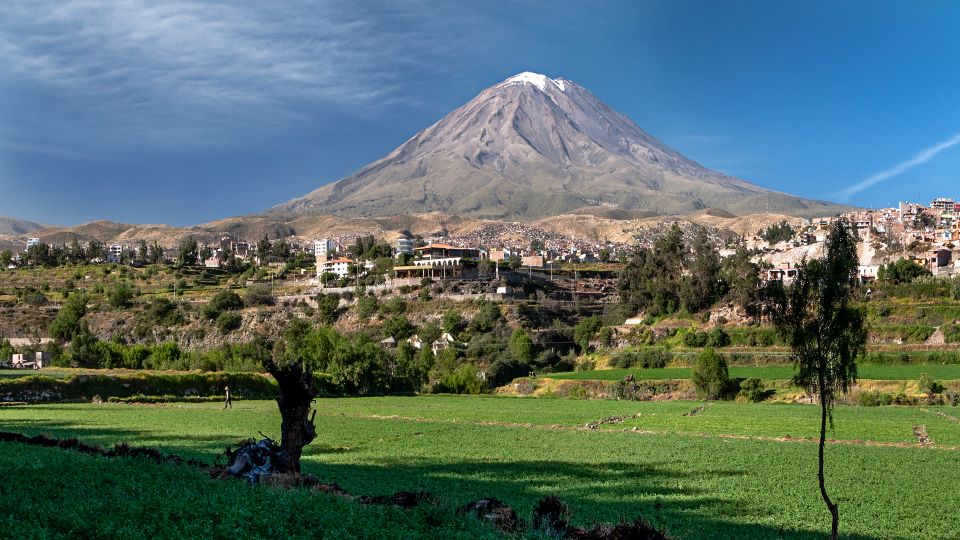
[{"x": 185, "y": 112}]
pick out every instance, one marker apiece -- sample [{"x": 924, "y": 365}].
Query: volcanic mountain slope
[
  {"x": 9, "y": 225},
  {"x": 532, "y": 147}
]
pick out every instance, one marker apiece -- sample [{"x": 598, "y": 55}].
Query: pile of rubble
[{"x": 255, "y": 461}]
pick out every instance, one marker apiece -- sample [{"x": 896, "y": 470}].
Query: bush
[
  {"x": 929, "y": 386},
  {"x": 718, "y": 338},
  {"x": 694, "y": 338},
  {"x": 503, "y": 371},
  {"x": 228, "y": 322},
  {"x": 874, "y": 399},
  {"x": 710, "y": 374},
  {"x": 84, "y": 387},
  {"x": 222, "y": 301},
  {"x": 327, "y": 308},
  {"x": 258, "y": 296},
  {"x": 367, "y": 306},
  {"x": 752, "y": 390},
  {"x": 651, "y": 358}
]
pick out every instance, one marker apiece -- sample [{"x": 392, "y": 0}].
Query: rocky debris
[
  {"x": 635, "y": 530},
  {"x": 400, "y": 499},
  {"x": 255, "y": 461},
  {"x": 119, "y": 450},
  {"x": 696, "y": 410},
  {"x": 611, "y": 420},
  {"x": 491, "y": 510},
  {"x": 552, "y": 516},
  {"x": 920, "y": 432}
]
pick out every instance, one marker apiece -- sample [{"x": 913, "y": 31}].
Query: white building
[
  {"x": 32, "y": 242},
  {"x": 115, "y": 253},
  {"x": 323, "y": 248},
  {"x": 943, "y": 204},
  {"x": 338, "y": 267}
]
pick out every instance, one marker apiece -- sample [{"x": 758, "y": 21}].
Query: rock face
[{"x": 531, "y": 147}]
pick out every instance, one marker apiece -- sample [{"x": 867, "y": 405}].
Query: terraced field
[
  {"x": 727, "y": 471},
  {"x": 772, "y": 372}
]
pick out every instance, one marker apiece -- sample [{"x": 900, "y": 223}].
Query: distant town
[{"x": 927, "y": 235}]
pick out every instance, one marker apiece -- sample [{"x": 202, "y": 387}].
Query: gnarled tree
[
  {"x": 292, "y": 363},
  {"x": 825, "y": 332}
]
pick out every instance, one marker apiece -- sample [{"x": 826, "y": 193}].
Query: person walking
[{"x": 228, "y": 402}]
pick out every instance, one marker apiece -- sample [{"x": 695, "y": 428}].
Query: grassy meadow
[{"x": 728, "y": 471}]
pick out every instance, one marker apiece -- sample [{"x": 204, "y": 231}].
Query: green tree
[
  {"x": 453, "y": 323},
  {"x": 121, "y": 295},
  {"x": 367, "y": 306},
  {"x": 66, "y": 325},
  {"x": 825, "y": 331},
  {"x": 522, "y": 346},
  {"x": 327, "y": 308},
  {"x": 702, "y": 285},
  {"x": 710, "y": 374},
  {"x": 399, "y": 327},
  {"x": 743, "y": 275},
  {"x": 189, "y": 251},
  {"x": 778, "y": 232},
  {"x": 585, "y": 330},
  {"x": 6, "y": 257}
]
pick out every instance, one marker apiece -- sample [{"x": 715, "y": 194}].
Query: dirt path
[{"x": 638, "y": 431}]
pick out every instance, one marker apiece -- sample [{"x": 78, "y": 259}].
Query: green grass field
[
  {"x": 946, "y": 372},
  {"x": 717, "y": 474}
]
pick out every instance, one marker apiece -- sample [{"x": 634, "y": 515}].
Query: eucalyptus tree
[{"x": 826, "y": 332}]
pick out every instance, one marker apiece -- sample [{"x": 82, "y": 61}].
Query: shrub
[
  {"x": 258, "y": 296},
  {"x": 752, "y": 390},
  {"x": 694, "y": 338},
  {"x": 650, "y": 358},
  {"x": 222, "y": 301},
  {"x": 874, "y": 399},
  {"x": 228, "y": 321},
  {"x": 718, "y": 338},
  {"x": 399, "y": 327},
  {"x": 504, "y": 370},
  {"x": 929, "y": 386},
  {"x": 710, "y": 374},
  {"x": 367, "y": 306},
  {"x": 585, "y": 330},
  {"x": 327, "y": 308}
]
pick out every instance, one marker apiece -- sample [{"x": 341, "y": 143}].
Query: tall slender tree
[{"x": 825, "y": 331}]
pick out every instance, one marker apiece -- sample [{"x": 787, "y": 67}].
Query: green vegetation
[
  {"x": 710, "y": 375},
  {"x": 778, "y": 232},
  {"x": 784, "y": 372},
  {"x": 901, "y": 271},
  {"x": 136, "y": 498},
  {"x": 686, "y": 473}
]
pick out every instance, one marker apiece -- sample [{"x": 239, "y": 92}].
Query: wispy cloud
[
  {"x": 189, "y": 69},
  {"x": 922, "y": 157}
]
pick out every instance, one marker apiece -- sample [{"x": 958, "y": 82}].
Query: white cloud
[
  {"x": 922, "y": 157},
  {"x": 187, "y": 69}
]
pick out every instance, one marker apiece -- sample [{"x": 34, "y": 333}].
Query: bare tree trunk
[
  {"x": 295, "y": 400},
  {"x": 834, "y": 512}
]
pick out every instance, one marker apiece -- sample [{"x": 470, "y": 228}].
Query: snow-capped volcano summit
[
  {"x": 536, "y": 79},
  {"x": 532, "y": 146}
]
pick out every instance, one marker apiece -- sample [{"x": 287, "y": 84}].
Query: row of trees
[{"x": 675, "y": 275}]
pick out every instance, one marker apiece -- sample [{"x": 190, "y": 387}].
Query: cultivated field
[{"x": 729, "y": 470}]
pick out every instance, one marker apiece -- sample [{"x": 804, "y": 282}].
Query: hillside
[
  {"x": 533, "y": 147},
  {"x": 9, "y": 225}
]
